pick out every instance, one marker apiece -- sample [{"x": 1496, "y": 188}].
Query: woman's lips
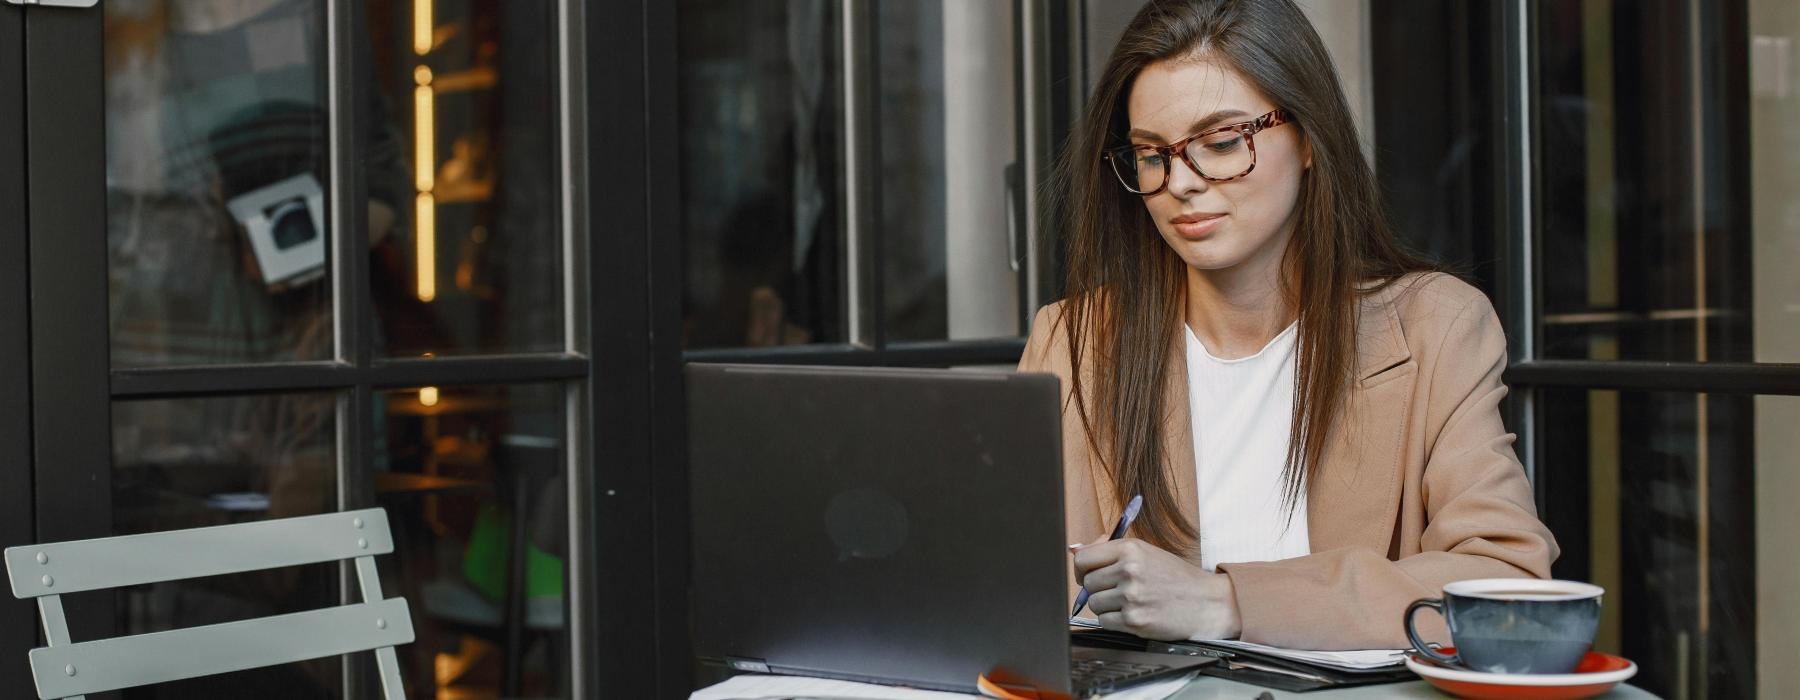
[{"x": 1197, "y": 226}]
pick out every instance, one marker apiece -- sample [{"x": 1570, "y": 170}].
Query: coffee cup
[{"x": 1510, "y": 625}]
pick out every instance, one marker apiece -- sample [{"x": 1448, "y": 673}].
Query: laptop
[{"x": 889, "y": 526}]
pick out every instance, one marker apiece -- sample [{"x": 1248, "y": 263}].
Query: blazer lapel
[{"x": 1353, "y": 498}]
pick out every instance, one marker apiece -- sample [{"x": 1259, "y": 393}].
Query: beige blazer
[{"x": 1419, "y": 485}]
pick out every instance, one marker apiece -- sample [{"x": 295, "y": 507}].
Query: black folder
[{"x": 1251, "y": 667}]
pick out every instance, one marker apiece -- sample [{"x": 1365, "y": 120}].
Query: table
[{"x": 1209, "y": 688}]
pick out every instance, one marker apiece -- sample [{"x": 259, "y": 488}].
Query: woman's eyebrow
[{"x": 1196, "y": 127}]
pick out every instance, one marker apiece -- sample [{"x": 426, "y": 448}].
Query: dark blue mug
[{"x": 1513, "y": 625}]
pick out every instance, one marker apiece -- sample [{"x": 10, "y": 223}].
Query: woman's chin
[{"x": 1210, "y": 254}]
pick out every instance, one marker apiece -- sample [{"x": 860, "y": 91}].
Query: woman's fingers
[
  {"x": 1104, "y": 578},
  {"x": 1106, "y": 601},
  {"x": 1098, "y": 555}
]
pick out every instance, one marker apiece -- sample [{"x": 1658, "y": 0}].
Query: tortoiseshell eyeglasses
[{"x": 1217, "y": 154}]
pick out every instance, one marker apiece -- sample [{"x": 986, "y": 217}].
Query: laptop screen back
[{"x": 900, "y": 526}]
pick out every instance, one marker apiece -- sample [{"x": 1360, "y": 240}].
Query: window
[
  {"x": 1664, "y": 176},
  {"x": 860, "y": 194},
  {"x": 334, "y": 276}
]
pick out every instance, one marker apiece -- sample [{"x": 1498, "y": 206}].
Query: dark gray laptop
[{"x": 892, "y": 526}]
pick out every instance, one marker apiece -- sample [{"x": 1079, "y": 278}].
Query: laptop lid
[{"x": 899, "y": 526}]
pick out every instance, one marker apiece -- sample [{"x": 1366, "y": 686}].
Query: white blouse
[{"x": 1241, "y": 412}]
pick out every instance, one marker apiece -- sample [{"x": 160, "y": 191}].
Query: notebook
[{"x": 1294, "y": 670}]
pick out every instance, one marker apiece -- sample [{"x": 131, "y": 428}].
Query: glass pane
[
  {"x": 184, "y": 463},
  {"x": 216, "y": 172},
  {"x": 1774, "y": 179},
  {"x": 1646, "y": 241},
  {"x": 457, "y": 469},
  {"x": 760, "y": 147},
  {"x": 949, "y": 146},
  {"x": 1680, "y": 505},
  {"x": 1438, "y": 119},
  {"x": 463, "y": 204}
]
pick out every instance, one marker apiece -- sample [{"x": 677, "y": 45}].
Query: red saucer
[{"x": 1596, "y": 674}]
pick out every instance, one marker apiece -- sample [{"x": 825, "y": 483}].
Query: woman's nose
[{"x": 1184, "y": 181}]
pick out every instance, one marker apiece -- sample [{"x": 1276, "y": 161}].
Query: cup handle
[{"x": 1412, "y": 633}]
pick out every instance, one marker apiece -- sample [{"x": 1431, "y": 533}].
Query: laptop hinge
[{"x": 746, "y": 664}]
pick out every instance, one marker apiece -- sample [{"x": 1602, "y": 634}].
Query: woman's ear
[{"x": 1305, "y": 152}]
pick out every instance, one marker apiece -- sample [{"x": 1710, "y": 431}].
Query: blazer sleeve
[
  {"x": 1046, "y": 350},
  {"x": 1481, "y": 521}
]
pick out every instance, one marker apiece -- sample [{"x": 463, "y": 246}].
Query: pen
[{"x": 1130, "y": 514}]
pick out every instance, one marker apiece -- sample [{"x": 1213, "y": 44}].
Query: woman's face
[{"x": 1217, "y": 225}]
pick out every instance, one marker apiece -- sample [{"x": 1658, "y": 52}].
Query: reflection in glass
[
  {"x": 1657, "y": 498},
  {"x": 215, "y": 162},
  {"x": 949, "y": 170},
  {"x": 185, "y": 463},
  {"x": 1774, "y": 119},
  {"x": 760, "y": 166},
  {"x": 1646, "y": 241},
  {"x": 475, "y": 265},
  {"x": 472, "y": 478},
  {"x": 1438, "y": 129}
]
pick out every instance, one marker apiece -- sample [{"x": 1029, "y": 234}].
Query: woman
[{"x": 1309, "y": 412}]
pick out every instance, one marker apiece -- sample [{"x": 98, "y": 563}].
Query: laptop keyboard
[{"x": 1088, "y": 673}]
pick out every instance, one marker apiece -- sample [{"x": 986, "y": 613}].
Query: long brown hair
[{"x": 1126, "y": 287}]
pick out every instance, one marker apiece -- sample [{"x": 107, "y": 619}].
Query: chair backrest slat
[
  {"x": 160, "y": 657},
  {"x": 129, "y": 560}
]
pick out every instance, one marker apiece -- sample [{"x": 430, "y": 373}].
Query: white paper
[
  {"x": 769, "y": 687},
  {"x": 758, "y": 687},
  {"x": 1360, "y": 659}
]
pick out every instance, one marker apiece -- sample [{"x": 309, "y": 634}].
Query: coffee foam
[{"x": 1524, "y": 589}]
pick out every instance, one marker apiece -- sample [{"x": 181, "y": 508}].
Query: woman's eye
[
  {"x": 1224, "y": 144},
  {"x": 1151, "y": 160}
]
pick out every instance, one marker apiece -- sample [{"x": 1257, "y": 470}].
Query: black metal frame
[
  {"x": 207, "y": 380},
  {"x": 639, "y": 495},
  {"x": 939, "y": 353},
  {"x": 862, "y": 99},
  {"x": 66, "y": 170},
  {"x": 17, "y": 618},
  {"x": 1516, "y": 272},
  {"x": 1712, "y": 378}
]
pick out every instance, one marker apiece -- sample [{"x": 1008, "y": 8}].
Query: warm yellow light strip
[
  {"x": 424, "y": 131},
  {"x": 427, "y": 246},
  {"x": 425, "y": 179},
  {"x": 422, "y": 27}
]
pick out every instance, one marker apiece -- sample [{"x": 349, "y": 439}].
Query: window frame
[{"x": 18, "y": 620}]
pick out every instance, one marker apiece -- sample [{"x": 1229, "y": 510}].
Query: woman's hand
[{"x": 1136, "y": 587}]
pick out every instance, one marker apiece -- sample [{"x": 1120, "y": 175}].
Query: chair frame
[{"x": 68, "y": 669}]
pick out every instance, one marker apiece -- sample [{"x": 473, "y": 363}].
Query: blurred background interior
[{"x": 857, "y": 181}]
